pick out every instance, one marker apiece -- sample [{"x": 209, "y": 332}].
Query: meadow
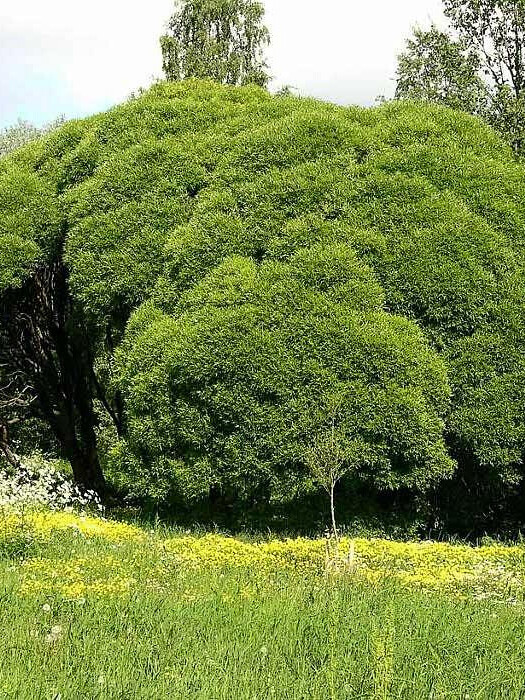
[{"x": 95, "y": 608}]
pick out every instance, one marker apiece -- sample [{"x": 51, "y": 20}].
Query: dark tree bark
[{"x": 44, "y": 341}]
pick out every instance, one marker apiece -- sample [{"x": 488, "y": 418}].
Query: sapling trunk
[{"x": 332, "y": 511}]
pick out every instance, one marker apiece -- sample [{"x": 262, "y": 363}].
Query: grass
[{"x": 96, "y": 610}]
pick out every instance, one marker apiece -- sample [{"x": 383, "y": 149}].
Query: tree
[
  {"x": 17, "y": 135},
  {"x": 185, "y": 277},
  {"x": 44, "y": 352},
  {"x": 438, "y": 69},
  {"x": 495, "y": 29},
  {"x": 480, "y": 68},
  {"x": 23, "y": 132},
  {"x": 15, "y": 399},
  {"x": 331, "y": 455},
  {"x": 219, "y": 39}
]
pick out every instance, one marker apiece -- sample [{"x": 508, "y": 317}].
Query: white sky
[{"x": 76, "y": 58}]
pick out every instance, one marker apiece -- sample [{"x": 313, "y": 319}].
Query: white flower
[
  {"x": 54, "y": 635},
  {"x": 46, "y": 607},
  {"x": 39, "y": 482}
]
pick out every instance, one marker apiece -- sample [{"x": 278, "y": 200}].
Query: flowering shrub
[
  {"x": 77, "y": 578},
  {"x": 39, "y": 483},
  {"x": 491, "y": 571}
]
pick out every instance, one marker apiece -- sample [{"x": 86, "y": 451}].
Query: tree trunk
[
  {"x": 87, "y": 471},
  {"x": 72, "y": 417},
  {"x": 44, "y": 338}
]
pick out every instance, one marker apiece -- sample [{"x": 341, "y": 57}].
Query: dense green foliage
[
  {"x": 219, "y": 39},
  {"x": 275, "y": 253}
]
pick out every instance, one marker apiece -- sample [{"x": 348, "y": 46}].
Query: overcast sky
[{"x": 76, "y": 58}]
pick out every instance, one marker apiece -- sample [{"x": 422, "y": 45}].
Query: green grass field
[{"x": 91, "y": 609}]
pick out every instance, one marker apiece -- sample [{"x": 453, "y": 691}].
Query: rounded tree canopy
[{"x": 254, "y": 259}]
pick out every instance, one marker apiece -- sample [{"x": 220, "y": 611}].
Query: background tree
[
  {"x": 438, "y": 69},
  {"x": 495, "y": 29},
  {"x": 219, "y": 39},
  {"x": 15, "y": 400},
  {"x": 485, "y": 47},
  {"x": 13, "y": 137}
]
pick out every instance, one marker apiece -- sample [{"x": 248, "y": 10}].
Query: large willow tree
[{"x": 189, "y": 280}]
